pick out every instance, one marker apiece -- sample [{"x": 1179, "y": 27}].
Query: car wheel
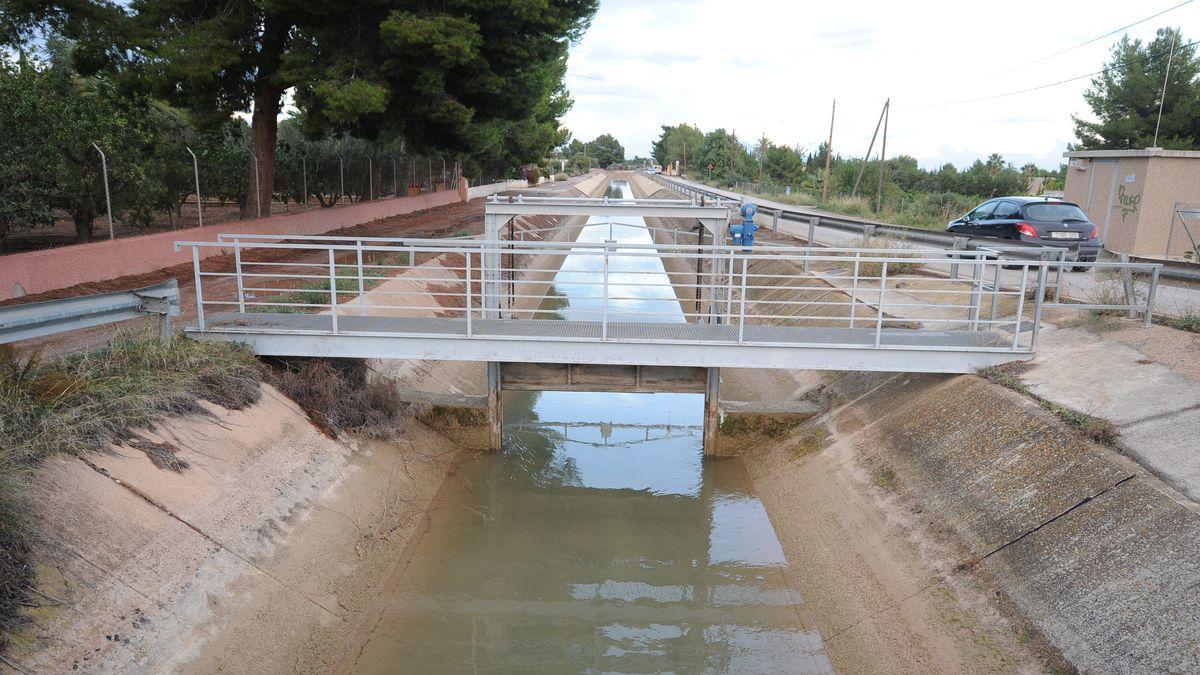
[{"x": 1079, "y": 268}]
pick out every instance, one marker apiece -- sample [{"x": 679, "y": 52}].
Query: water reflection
[{"x": 597, "y": 541}]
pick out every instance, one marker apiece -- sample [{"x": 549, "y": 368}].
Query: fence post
[
  {"x": 370, "y": 180},
  {"x": 107, "y": 195},
  {"x": 775, "y": 221},
  {"x": 304, "y": 178},
  {"x": 199, "y": 199},
  {"x": 341, "y": 177},
  {"x": 468, "y": 257}
]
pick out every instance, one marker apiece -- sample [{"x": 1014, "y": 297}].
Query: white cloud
[{"x": 773, "y": 67}]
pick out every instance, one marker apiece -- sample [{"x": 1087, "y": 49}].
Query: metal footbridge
[{"x": 487, "y": 299}]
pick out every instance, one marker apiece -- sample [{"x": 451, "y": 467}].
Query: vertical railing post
[
  {"x": 960, "y": 243},
  {"x": 362, "y": 282},
  {"x": 1127, "y": 282},
  {"x": 333, "y": 290},
  {"x": 237, "y": 269},
  {"x": 1020, "y": 306},
  {"x": 879, "y": 307},
  {"x": 976, "y": 294},
  {"x": 995, "y": 296},
  {"x": 1042, "y": 278},
  {"x": 199, "y": 289},
  {"x": 729, "y": 272},
  {"x": 1150, "y": 297},
  {"x": 853, "y": 286},
  {"x": 468, "y": 256},
  {"x": 604, "y": 314},
  {"x": 1058, "y": 276},
  {"x": 742, "y": 302}
]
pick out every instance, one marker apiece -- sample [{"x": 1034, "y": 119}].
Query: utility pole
[
  {"x": 867, "y": 157},
  {"x": 887, "y": 114},
  {"x": 1163, "y": 97},
  {"x": 828, "y": 155}
]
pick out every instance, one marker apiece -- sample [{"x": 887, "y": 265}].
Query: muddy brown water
[{"x": 598, "y": 540}]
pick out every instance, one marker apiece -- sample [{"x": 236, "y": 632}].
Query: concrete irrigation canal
[{"x": 605, "y": 443}]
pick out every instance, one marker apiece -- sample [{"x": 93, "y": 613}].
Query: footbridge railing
[{"x": 669, "y": 304}]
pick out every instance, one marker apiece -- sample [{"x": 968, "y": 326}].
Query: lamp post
[
  {"x": 107, "y": 195},
  {"x": 199, "y": 200}
]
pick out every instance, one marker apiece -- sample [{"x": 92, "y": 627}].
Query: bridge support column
[
  {"x": 495, "y": 411},
  {"x": 712, "y": 416}
]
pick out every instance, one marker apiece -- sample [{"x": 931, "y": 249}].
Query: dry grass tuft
[
  {"x": 340, "y": 397},
  {"x": 896, "y": 248}
]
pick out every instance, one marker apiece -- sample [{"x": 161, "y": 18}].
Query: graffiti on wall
[{"x": 1129, "y": 203}]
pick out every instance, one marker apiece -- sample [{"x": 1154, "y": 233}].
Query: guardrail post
[
  {"x": 879, "y": 307},
  {"x": 868, "y": 232},
  {"x": 1127, "y": 281},
  {"x": 995, "y": 296},
  {"x": 775, "y": 221},
  {"x": 960, "y": 244},
  {"x": 1150, "y": 296},
  {"x": 237, "y": 267},
  {"x": 333, "y": 291},
  {"x": 199, "y": 291},
  {"x": 1062, "y": 258},
  {"x": 362, "y": 284}
]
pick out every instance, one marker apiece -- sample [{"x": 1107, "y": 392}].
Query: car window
[
  {"x": 980, "y": 211},
  {"x": 1056, "y": 212},
  {"x": 1006, "y": 211}
]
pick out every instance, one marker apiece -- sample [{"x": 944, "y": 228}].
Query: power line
[
  {"x": 1052, "y": 84},
  {"x": 1095, "y": 39}
]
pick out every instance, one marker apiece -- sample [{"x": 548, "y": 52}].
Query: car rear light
[
  {"x": 1095, "y": 233},
  {"x": 1027, "y": 230}
]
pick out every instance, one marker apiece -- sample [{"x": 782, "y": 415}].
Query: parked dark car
[{"x": 1037, "y": 220}]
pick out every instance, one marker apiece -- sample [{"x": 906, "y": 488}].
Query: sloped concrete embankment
[
  {"x": 1092, "y": 553},
  {"x": 261, "y": 555}
]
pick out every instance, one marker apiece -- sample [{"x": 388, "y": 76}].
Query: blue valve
[{"x": 743, "y": 232}]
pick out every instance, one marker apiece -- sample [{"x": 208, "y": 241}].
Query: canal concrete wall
[
  {"x": 261, "y": 555},
  {"x": 1089, "y": 555}
]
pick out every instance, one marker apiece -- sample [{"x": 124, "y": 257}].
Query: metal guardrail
[
  {"x": 813, "y": 219},
  {"x": 37, "y": 319},
  {"x": 859, "y": 299}
]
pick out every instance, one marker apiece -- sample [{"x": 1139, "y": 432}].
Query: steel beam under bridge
[{"x": 714, "y": 216}]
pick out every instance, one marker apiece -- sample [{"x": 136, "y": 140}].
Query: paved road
[{"x": 1174, "y": 298}]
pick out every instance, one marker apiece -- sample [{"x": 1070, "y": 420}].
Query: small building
[{"x": 1133, "y": 196}]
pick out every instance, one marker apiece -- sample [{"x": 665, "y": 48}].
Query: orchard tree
[
  {"x": 464, "y": 77},
  {"x": 1124, "y": 97}
]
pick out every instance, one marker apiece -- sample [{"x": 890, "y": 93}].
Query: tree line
[{"x": 480, "y": 83}]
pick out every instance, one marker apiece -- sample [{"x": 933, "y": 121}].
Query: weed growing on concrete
[
  {"x": 1189, "y": 321},
  {"x": 90, "y": 400},
  {"x": 314, "y": 296},
  {"x": 895, "y": 248},
  {"x": 1094, "y": 428},
  {"x": 340, "y": 397},
  {"x": 454, "y": 417}
]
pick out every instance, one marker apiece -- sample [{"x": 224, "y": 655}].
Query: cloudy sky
[{"x": 774, "y": 67}]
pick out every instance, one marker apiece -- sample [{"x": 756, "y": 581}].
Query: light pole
[
  {"x": 107, "y": 195},
  {"x": 304, "y": 178},
  {"x": 395, "y": 180},
  {"x": 199, "y": 200},
  {"x": 341, "y": 178},
  {"x": 443, "y": 171},
  {"x": 257, "y": 187}
]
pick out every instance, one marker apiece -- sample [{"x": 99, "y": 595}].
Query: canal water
[{"x": 599, "y": 539}]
